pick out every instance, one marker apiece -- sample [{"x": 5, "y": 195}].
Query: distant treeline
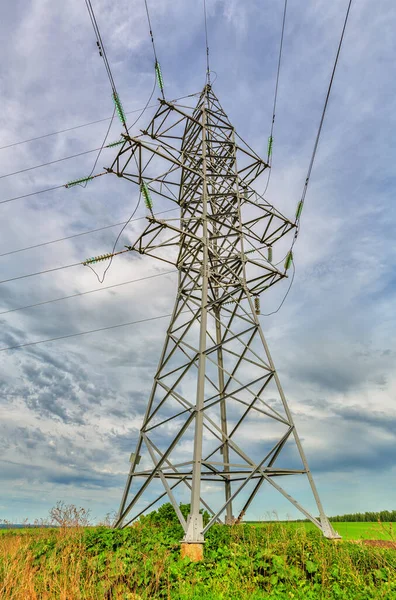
[{"x": 385, "y": 516}]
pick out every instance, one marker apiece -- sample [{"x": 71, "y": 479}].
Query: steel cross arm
[
  {"x": 167, "y": 157},
  {"x": 182, "y": 232},
  {"x": 160, "y": 133},
  {"x": 267, "y": 208},
  {"x": 270, "y": 268},
  {"x": 174, "y": 107}
]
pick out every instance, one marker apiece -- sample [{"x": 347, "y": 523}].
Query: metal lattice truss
[{"x": 217, "y": 421}]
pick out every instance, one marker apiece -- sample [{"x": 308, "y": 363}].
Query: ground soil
[{"x": 379, "y": 543}]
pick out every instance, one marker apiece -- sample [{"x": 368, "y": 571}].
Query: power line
[
  {"x": 69, "y": 237},
  {"x": 207, "y": 44},
  {"x": 108, "y": 287},
  {"x": 102, "y": 53},
  {"x": 315, "y": 148},
  {"x": 285, "y": 296},
  {"x": 66, "y": 158},
  {"x": 56, "y": 187},
  {"x": 301, "y": 203},
  {"x": 40, "y": 137},
  {"x": 70, "y": 335},
  {"x": 52, "y": 162},
  {"x": 84, "y": 263},
  {"x": 101, "y": 148},
  {"x": 101, "y": 280},
  {"x": 40, "y": 272},
  {"x": 270, "y": 139},
  {"x": 108, "y": 131},
  {"x": 151, "y": 30},
  {"x": 99, "y": 41},
  {"x": 157, "y": 67},
  {"x": 130, "y": 112}
]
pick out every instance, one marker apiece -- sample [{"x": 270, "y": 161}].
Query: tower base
[{"x": 192, "y": 551}]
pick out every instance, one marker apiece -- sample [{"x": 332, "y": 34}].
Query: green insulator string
[
  {"x": 78, "y": 181},
  {"x": 270, "y": 142},
  {"x": 158, "y": 73},
  {"x": 146, "y": 196},
  {"x": 269, "y": 253},
  {"x": 289, "y": 260},
  {"x": 119, "y": 109},
  {"x": 300, "y": 206},
  {"x": 115, "y": 144},
  {"x": 96, "y": 259}
]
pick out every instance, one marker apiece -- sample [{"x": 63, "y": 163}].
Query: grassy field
[
  {"x": 272, "y": 561},
  {"x": 352, "y": 531}
]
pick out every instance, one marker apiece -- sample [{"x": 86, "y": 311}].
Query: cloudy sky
[{"x": 71, "y": 409}]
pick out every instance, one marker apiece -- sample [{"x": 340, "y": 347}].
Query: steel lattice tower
[{"x": 216, "y": 385}]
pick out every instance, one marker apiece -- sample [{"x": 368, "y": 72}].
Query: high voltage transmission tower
[{"x": 217, "y": 421}]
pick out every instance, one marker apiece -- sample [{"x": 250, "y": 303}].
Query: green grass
[{"x": 354, "y": 531}]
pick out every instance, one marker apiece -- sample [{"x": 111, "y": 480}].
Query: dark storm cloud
[
  {"x": 37, "y": 474},
  {"x": 371, "y": 418}
]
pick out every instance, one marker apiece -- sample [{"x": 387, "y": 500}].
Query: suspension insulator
[
  {"x": 270, "y": 141},
  {"x": 158, "y": 73},
  {"x": 146, "y": 196},
  {"x": 78, "y": 181},
  {"x": 299, "y": 209},
  {"x": 95, "y": 259},
  {"x": 289, "y": 260},
  {"x": 119, "y": 109},
  {"x": 112, "y": 144},
  {"x": 269, "y": 253},
  {"x": 257, "y": 304}
]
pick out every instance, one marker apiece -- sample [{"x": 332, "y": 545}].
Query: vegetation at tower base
[{"x": 143, "y": 562}]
